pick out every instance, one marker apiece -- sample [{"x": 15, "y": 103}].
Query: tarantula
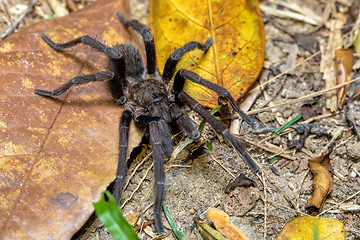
[{"x": 150, "y": 101}]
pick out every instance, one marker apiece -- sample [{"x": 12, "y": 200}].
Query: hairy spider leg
[
  {"x": 148, "y": 41},
  {"x": 220, "y": 128},
  {"x": 184, "y": 121},
  {"x": 99, "y": 76},
  {"x": 87, "y": 41},
  {"x": 217, "y": 125},
  {"x": 115, "y": 56},
  {"x": 123, "y": 147},
  {"x": 176, "y": 55},
  {"x": 183, "y": 74},
  {"x": 166, "y": 137},
  {"x": 159, "y": 173}
]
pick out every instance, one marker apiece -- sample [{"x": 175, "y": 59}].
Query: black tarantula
[{"x": 150, "y": 101}]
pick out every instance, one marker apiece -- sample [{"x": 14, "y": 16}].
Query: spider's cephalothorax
[{"x": 150, "y": 101}]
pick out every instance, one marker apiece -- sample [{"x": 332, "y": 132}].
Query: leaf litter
[{"x": 203, "y": 184}]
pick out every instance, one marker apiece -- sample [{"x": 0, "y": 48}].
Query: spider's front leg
[
  {"x": 148, "y": 41},
  {"x": 159, "y": 173},
  {"x": 220, "y": 128},
  {"x": 123, "y": 148},
  {"x": 217, "y": 125},
  {"x": 183, "y": 74}
]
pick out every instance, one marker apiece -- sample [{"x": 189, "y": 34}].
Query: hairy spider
[{"x": 150, "y": 101}]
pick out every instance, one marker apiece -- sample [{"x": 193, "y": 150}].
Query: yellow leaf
[
  {"x": 235, "y": 58},
  {"x": 306, "y": 227}
]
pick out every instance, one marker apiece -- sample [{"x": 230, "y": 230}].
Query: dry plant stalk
[{"x": 327, "y": 66}]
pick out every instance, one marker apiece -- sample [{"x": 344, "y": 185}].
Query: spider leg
[
  {"x": 123, "y": 147},
  {"x": 99, "y": 76},
  {"x": 176, "y": 55},
  {"x": 159, "y": 173},
  {"x": 184, "y": 122},
  {"x": 148, "y": 41},
  {"x": 183, "y": 74},
  {"x": 166, "y": 138},
  {"x": 87, "y": 41},
  {"x": 220, "y": 128}
]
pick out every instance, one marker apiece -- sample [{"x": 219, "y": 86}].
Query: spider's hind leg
[{"x": 99, "y": 76}]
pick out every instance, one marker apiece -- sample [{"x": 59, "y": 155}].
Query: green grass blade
[
  {"x": 286, "y": 125},
  {"x": 111, "y": 216},
  {"x": 213, "y": 111},
  {"x": 174, "y": 228}
]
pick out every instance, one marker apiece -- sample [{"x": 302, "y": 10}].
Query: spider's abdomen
[{"x": 151, "y": 94}]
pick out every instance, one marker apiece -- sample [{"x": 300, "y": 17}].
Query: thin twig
[
  {"x": 303, "y": 98},
  {"x": 269, "y": 149},
  {"x": 135, "y": 170},
  {"x": 138, "y": 186},
  {"x": 14, "y": 25},
  {"x": 339, "y": 203},
  {"x": 299, "y": 190},
  {"x": 288, "y": 208},
  {"x": 265, "y": 206},
  {"x": 285, "y": 72},
  {"x": 227, "y": 170}
]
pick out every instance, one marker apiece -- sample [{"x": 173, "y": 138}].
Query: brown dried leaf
[
  {"x": 57, "y": 156},
  {"x": 321, "y": 168},
  {"x": 344, "y": 62},
  {"x": 222, "y": 224},
  {"x": 309, "y": 110},
  {"x": 132, "y": 218}
]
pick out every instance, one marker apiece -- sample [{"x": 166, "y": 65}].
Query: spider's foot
[
  {"x": 259, "y": 127},
  {"x": 121, "y": 18},
  {"x": 44, "y": 93}
]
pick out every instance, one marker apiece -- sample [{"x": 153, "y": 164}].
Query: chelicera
[{"x": 150, "y": 101}]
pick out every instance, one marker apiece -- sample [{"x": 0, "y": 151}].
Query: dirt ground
[{"x": 195, "y": 180}]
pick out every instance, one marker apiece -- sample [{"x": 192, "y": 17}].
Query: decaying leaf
[
  {"x": 208, "y": 233},
  {"x": 57, "y": 156},
  {"x": 306, "y": 227},
  {"x": 310, "y": 109},
  {"x": 132, "y": 218},
  {"x": 322, "y": 184},
  {"x": 344, "y": 62},
  {"x": 222, "y": 224},
  {"x": 241, "y": 181},
  {"x": 237, "y": 53}
]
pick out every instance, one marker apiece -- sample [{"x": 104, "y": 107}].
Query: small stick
[
  {"x": 299, "y": 190},
  {"x": 339, "y": 203},
  {"x": 288, "y": 70},
  {"x": 302, "y": 98},
  {"x": 288, "y": 208},
  {"x": 265, "y": 206},
  {"x": 227, "y": 170},
  {"x": 269, "y": 149},
  {"x": 138, "y": 186},
  {"x": 135, "y": 170},
  {"x": 14, "y": 25}
]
